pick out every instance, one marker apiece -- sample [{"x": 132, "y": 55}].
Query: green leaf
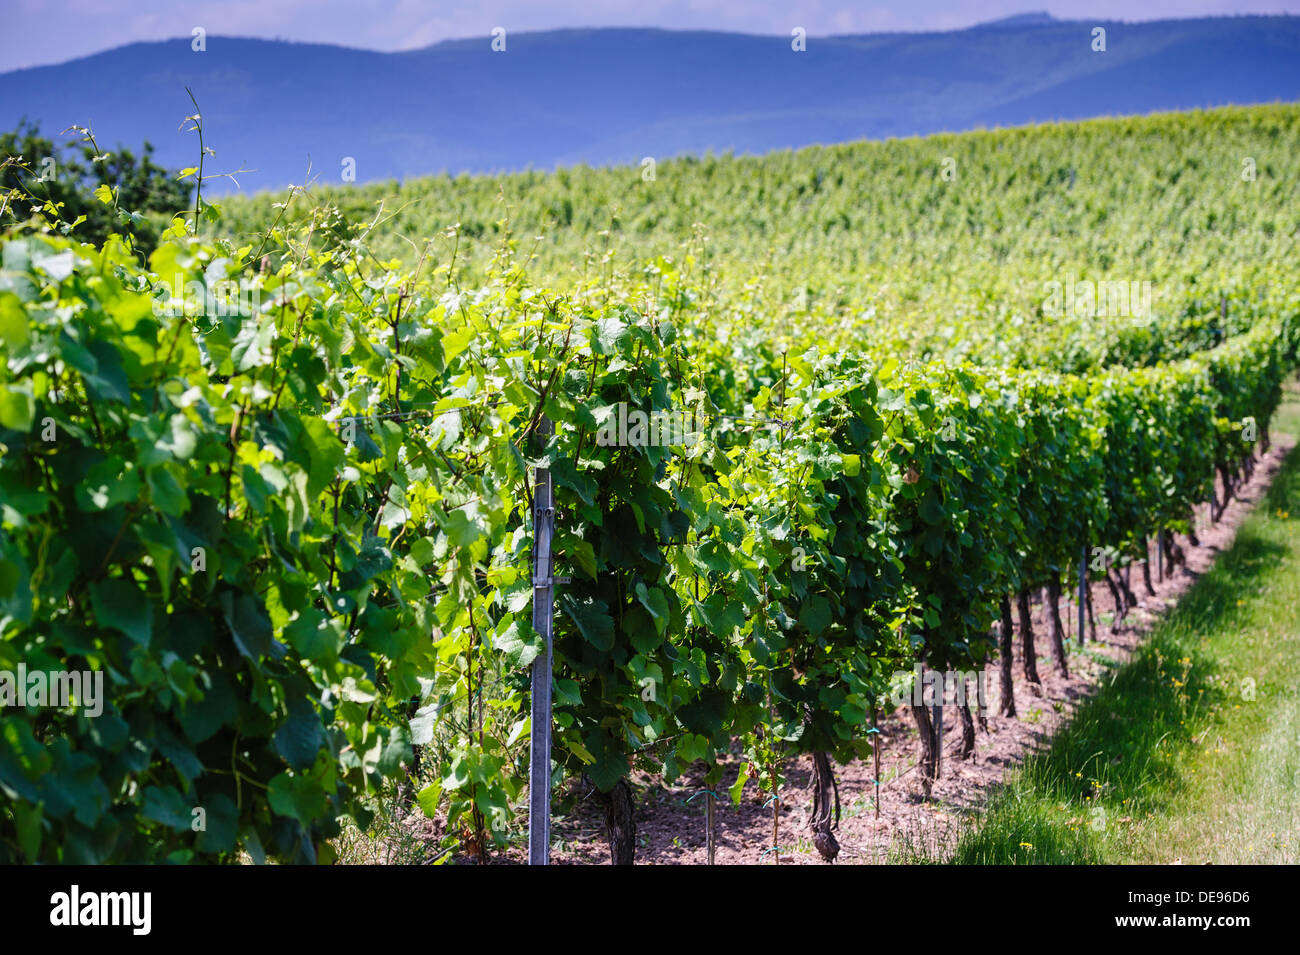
[
  {"x": 252, "y": 347},
  {"x": 166, "y": 492},
  {"x": 815, "y": 614},
  {"x": 567, "y": 692},
  {"x": 120, "y": 606},
  {"x": 582, "y": 554},
  {"x": 14, "y": 330},
  {"x": 610, "y": 764},
  {"x": 640, "y": 627},
  {"x": 653, "y": 599},
  {"x": 463, "y": 528},
  {"x": 281, "y": 794},
  {"x": 423, "y": 723},
  {"x": 607, "y": 335},
  {"x": 202, "y": 719},
  {"x": 932, "y": 511},
  {"x": 429, "y": 797},
  {"x": 738, "y": 787},
  {"x": 326, "y": 453},
  {"x": 315, "y": 637},
  {"x": 10, "y": 574},
  {"x": 577, "y": 749},
  {"x": 520, "y": 643},
  {"x": 300, "y": 738},
  {"x": 17, "y": 406},
  {"x": 28, "y": 823},
  {"x": 592, "y": 619},
  {"x": 249, "y": 625},
  {"x": 297, "y": 797},
  {"x": 166, "y": 805},
  {"x": 396, "y": 752}
]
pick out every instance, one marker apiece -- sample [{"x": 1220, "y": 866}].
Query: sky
[{"x": 39, "y": 32}]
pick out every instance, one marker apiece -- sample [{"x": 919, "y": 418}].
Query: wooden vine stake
[
  {"x": 938, "y": 734},
  {"x": 776, "y": 828}
]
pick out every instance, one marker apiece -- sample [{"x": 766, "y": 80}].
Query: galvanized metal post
[
  {"x": 539, "y": 745},
  {"x": 709, "y": 840},
  {"x": 1083, "y": 590}
]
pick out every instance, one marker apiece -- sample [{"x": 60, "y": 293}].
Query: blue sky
[{"x": 51, "y": 31}]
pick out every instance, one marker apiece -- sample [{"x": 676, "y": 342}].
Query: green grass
[{"x": 1171, "y": 759}]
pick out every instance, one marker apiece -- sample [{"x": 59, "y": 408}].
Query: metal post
[
  {"x": 710, "y": 841},
  {"x": 1083, "y": 591},
  {"x": 539, "y": 745}
]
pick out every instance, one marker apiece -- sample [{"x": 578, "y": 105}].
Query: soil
[{"x": 670, "y": 819}]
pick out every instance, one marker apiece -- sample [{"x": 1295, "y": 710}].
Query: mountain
[
  {"x": 616, "y": 95},
  {"x": 1018, "y": 20}
]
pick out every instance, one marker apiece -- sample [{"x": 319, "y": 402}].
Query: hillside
[
  {"x": 615, "y": 95},
  {"x": 823, "y": 237}
]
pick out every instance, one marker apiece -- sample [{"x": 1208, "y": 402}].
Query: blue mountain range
[{"x": 601, "y": 96}]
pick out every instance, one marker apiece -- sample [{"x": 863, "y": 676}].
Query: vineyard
[{"x": 810, "y": 421}]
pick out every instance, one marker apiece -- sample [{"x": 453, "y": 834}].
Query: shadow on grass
[{"x": 1117, "y": 759}]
